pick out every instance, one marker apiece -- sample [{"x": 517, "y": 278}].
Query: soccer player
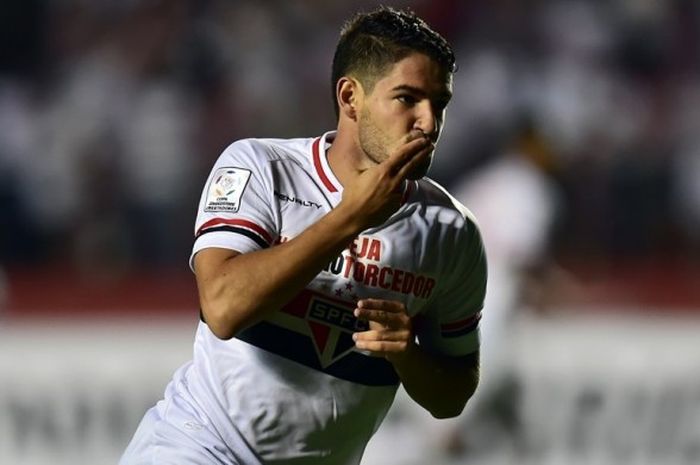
[{"x": 330, "y": 270}]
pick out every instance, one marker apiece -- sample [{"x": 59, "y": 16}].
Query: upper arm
[
  {"x": 236, "y": 209},
  {"x": 464, "y": 367},
  {"x": 467, "y": 369},
  {"x": 469, "y": 362}
]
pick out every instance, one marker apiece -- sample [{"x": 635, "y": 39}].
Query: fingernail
[
  {"x": 354, "y": 336},
  {"x": 356, "y": 312}
]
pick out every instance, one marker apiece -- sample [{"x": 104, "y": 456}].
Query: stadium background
[{"x": 575, "y": 128}]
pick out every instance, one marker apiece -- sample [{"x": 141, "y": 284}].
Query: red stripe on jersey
[
  {"x": 319, "y": 167},
  {"x": 237, "y": 222},
  {"x": 461, "y": 323}
]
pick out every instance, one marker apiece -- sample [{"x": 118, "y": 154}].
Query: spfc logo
[
  {"x": 328, "y": 322},
  {"x": 332, "y": 326}
]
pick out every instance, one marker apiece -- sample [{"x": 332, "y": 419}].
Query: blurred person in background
[
  {"x": 125, "y": 153},
  {"x": 517, "y": 200},
  {"x": 330, "y": 270}
]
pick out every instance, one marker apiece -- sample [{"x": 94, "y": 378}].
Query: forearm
[
  {"x": 442, "y": 385},
  {"x": 247, "y": 287},
  {"x": 238, "y": 290}
]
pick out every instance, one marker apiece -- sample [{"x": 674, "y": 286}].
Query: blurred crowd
[{"x": 112, "y": 113}]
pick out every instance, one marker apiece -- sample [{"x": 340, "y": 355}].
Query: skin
[
  {"x": 408, "y": 103},
  {"x": 385, "y": 136}
]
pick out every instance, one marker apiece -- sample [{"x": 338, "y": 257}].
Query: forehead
[{"x": 417, "y": 70}]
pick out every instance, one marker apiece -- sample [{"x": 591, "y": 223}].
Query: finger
[
  {"x": 377, "y": 316},
  {"x": 405, "y": 153},
  {"x": 418, "y": 159},
  {"x": 381, "y": 304},
  {"x": 415, "y": 134},
  {"x": 385, "y": 320},
  {"x": 381, "y": 348},
  {"x": 381, "y": 335}
]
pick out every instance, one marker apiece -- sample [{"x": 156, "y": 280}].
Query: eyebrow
[{"x": 447, "y": 95}]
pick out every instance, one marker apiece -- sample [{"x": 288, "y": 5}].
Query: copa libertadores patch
[{"x": 225, "y": 190}]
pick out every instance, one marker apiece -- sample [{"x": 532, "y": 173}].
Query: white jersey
[{"x": 293, "y": 385}]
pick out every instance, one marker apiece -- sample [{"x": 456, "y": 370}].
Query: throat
[{"x": 347, "y": 161}]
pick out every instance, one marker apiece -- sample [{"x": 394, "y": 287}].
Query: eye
[{"x": 407, "y": 99}]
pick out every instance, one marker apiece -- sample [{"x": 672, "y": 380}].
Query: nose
[{"x": 427, "y": 121}]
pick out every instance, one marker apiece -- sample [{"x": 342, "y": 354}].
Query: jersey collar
[
  {"x": 319, "y": 155},
  {"x": 320, "y": 159}
]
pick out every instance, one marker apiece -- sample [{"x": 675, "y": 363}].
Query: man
[{"x": 329, "y": 271}]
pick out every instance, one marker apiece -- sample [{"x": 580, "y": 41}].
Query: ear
[{"x": 348, "y": 92}]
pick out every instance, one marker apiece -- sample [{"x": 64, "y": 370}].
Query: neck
[{"x": 345, "y": 156}]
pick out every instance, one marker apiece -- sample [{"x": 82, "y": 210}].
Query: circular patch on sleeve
[{"x": 226, "y": 189}]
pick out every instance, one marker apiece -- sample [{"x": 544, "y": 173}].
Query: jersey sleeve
[
  {"x": 451, "y": 324},
  {"x": 236, "y": 207}
]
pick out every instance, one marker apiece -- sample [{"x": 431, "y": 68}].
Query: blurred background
[{"x": 573, "y": 135}]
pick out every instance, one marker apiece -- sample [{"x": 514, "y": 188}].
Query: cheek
[
  {"x": 389, "y": 123},
  {"x": 398, "y": 122}
]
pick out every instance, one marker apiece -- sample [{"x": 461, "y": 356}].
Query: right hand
[{"x": 374, "y": 195}]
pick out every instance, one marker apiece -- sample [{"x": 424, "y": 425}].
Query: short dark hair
[{"x": 371, "y": 42}]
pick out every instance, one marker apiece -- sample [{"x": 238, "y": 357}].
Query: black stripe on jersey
[
  {"x": 355, "y": 367},
  {"x": 246, "y": 232}
]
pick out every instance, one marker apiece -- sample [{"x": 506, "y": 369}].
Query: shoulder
[
  {"x": 263, "y": 151},
  {"x": 442, "y": 208},
  {"x": 454, "y": 245}
]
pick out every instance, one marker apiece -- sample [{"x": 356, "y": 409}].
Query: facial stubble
[{"x": 376, "y": 144}]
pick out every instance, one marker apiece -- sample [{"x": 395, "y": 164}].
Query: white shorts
[{"x": 175, "y": 433}]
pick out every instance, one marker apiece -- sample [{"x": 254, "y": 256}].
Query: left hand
[{"x": 390, "y": 333}]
